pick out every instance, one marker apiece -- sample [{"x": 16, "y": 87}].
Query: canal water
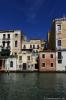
[{"x": 32, "y": 86}]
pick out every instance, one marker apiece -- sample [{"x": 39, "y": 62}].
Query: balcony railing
[
  {"x": 6, "y": 47},
  {"x": 5, "y": 38}
]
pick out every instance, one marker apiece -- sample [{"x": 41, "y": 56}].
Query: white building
[
  {"x": 57, "y": 42},
  {"x": 11, "y": 39},
  {"x": 61, "y": 60},
  {"x": 11, "y": 64},
  {"x": 25, "y": 61},
  {"x": 36, "y": 45}
]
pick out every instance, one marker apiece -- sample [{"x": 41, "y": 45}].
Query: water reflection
[{"x": 32, "y": 86}]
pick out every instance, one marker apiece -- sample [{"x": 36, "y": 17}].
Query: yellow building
[
  {"x": 36, "y": 45},
  {"x": 57, "y": 37},
  {"x": 17, "y": 42},
  {"x": 11, "y": 39}
]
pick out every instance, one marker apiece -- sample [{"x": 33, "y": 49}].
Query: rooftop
[
  {"x": 60, "y": 19},
  {"x": 2, "y": 31}
]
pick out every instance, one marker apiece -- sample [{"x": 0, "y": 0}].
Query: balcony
[
  {"x": 6, "y": 48},
  {"x": 5, "y": 39}
]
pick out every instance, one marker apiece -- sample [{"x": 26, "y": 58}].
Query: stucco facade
[
  {"x": 47, "y": 61},
  {"x": 11, "y": 64},
  {"x": 61, "y": 60},
  {"x": 36, "y": 45},
  {"x": 57, "y": 35},
  {"x": 25, "y": 61},
  {"x": 17, "y": 42},
  {"x": 11, "y": 39}
]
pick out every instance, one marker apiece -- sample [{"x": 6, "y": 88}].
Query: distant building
[
  {"x": 47, "y": 61},
  {"x": 57, "y": 35},
  {"x": 25, "y": 60},
  {"x": 57, "y": 42},
  {"x": 36, "y": 45},
  {"x": 61, "y": 60},
  {"x": 4, "y": 54},
  {"x": 11, "y": 64},
  {"x": 12, "y": 40}
]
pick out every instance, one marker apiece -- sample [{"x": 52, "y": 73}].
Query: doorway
[
  {"x": 24, "y": 66},
  {"x": 0, "y": 64}
]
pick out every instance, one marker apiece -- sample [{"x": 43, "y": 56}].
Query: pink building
[{"x": 47, "y": 61}]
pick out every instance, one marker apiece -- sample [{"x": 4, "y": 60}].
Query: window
[
  {"x": 59, "y": 55},
  {"x": 51, "y": 64},
  {"x": 59, "y": 61},
  {"x": 32, "y": 65},
  {"x": 30, "y": 46},
  {"x": 8, "y": 43},
  {"x": 59, "y": 42},
  {"x": 28, "y": 57},
  {"x": 3, "y": 36},
  {"x": 8, "y": 36},
  {"x": 16, "y": 35},
  {"x": 20, "y": 57},
  {"x": 28, "y": 66},
  {"x": 37, "y": 46},
  {"x": 43, "y": 64},
  {"x": 20, "y": 66},
  {"x": 24, "y": 47},
  {"x": 3, "y": 43},
  {"x": 51, "y": 55},
  {"x": 15, "y": 54},
  {"x": 58, "y": 28},
  {"x": 11, "y": 64},
  {"x": 15, "y": 43},
  {"x": 43, "y": 56},
  {"x": 33, "y": 46},
  {"x": 36, "y": 51}
]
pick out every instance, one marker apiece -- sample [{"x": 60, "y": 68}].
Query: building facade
[
  {"x": 57, "y": 42},
  {"x": 11, "y": 39},
  {"x": 11, "y": 64},
  {"x": 61, "y": 60},
  {"x": 36, "y": 45},
  {"x": 25, "y": 60},
  {"x": 47, "y": 61},
  {"x": 57, "y": 35}
]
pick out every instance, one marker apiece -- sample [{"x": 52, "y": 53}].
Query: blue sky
[{"x": 34, "y": 17}]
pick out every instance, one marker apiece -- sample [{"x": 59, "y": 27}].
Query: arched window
[{"x": 11, "y": 64}]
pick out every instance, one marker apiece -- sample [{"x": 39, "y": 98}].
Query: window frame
[
  {"x": 8, "y": 36},
  {"x": 51, "y": 55},
  {"x": 58, "y": 28},
  {"x": 43, "y": 55},
  {"x": 24, "y": 46},
  {"x": 52, "y": 64},
  {"x": 43, "y": 64},
  {"x": 16, "y": 43},
  {"x": 11, "y": 64},
  {"x": 59, "y": 42},
  {"x": 16, "y": 35},
  {"x": 33, "y": 46},
  {"x": 28, "y": 57},
  {"x": 59, "y": 61},
  {"x": 37, "y": 46},
  {"x": 4, "y": 36},
  {"x": 20, "y": 57}
]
